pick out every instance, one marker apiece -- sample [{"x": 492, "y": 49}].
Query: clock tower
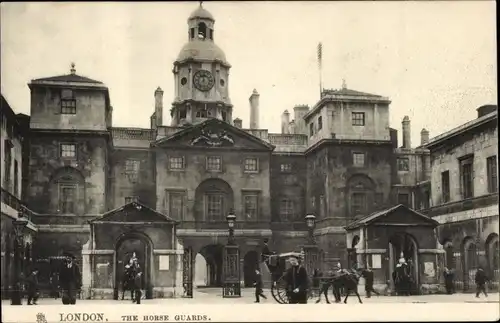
[{"x": 201, "y": 74}]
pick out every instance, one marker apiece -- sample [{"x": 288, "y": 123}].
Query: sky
[{"x": 436, "y": 61}]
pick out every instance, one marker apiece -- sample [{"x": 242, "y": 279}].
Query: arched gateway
[{"x": 132, "y": 231}]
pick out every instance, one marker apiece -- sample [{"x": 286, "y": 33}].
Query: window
[
  {"x": 358, "y": 159},
  {"x": 130, "y": 199},
  {"x": 7, "y": 162},
  {"x": 320, "y": 123},
  {"x": 321, "y": 206},
  {"x": 404, "y": 199},
  {"x": 311, "y": 129},
  {"x": 251, "y": 206},
  {"x": 67, "y": 198},
  {"x": 491, "y": 169},
  {"x": 16, "y": 179},
  {"x": 466, "y": 177},
  {"x": 358, "y": 204},
  {"x": 176, "y": 205},
  {"x": 287, "y": 211},
  {"x": 445, "y": 186},
  {"x": 426, "y": 203},
  {"x": 403, "y": 164},
  {"x": 68, "y": 102},
  {"x": 379, "y": 200},
  {"x": 203, "y": 113},
  {"x": 214, "y": 164},
  {"x": 214, "y": 207},
  {"x": 251, "y": 165},
  {"x": 358, "y": 118},
  {"x": 68, "y": 150},
  {"x": 285, "y": 168},
  {"x": 132, "y": 169},
  {"x": 176, "y": 163}
]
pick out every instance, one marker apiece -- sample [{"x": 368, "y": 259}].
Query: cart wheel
[{"x": 278, "y": 290}]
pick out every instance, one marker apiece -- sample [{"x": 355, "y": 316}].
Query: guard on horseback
[{"x": 129, "y": 274}]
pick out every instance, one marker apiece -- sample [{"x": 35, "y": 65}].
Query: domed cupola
[{"x": 201, "y": 73}]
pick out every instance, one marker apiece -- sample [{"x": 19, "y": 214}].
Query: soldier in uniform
[{"x": 296, "y": 282}]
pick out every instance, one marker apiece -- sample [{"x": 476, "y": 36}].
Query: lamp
[
  {"x": 231, "y": 219},
  {"x": 311, "y": 223},
  {"x": 19, "y": 224}
]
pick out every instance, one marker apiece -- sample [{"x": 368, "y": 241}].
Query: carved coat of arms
[{"x": 212, "y": 138}]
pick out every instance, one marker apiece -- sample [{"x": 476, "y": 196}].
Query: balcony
[
  {"x": 222, "y": 225},
  {"x": 16, "y": 204},
  {"x": 462, "y": 205},
  {"x": 63, "y": 219}
]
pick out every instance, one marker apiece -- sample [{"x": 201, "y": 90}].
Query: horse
[
  {"x": 402, "y": 280},
  {"x": 347, "y": 280},
  {"x": 128, "y": 280}
]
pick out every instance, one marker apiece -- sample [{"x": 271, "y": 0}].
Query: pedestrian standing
[
  {"x": 296, "y": 282},
  {"x": 481, "y": 279},
  {"x": 259, "y": 292},
  {"x": 368, "y": 275},
  {"x": 137, "y": 287},
  {"x": 70, "y": 281},
  {"x": 448, "y": 280},
  {"x": 32, "y": 287}
]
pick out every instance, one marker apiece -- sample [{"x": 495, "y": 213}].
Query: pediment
[
  {"x": 404, "y": 216},
  {"x": 215, "y": 134},
  {"x": 398, "y": 215},
  {"x": 134, "y": 212}
]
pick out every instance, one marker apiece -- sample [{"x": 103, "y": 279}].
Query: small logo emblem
[{"x": 40, "y": 318}]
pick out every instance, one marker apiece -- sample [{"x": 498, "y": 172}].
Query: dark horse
[
  {"x": 402, "y": 279},
  {"x": 346, "y": 280},
  {"x": 128, "y": 280}
]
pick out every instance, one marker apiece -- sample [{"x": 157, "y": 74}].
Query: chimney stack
[
  {"x": 292, "y": 127},
  {"x": 153, "y": 120},
  {"x": 285, "y": 122},
  {"x": 238, "y": 123},
  {"x": 406, "y": 133},
  {"x": 424, "y": 136},
  {"x": 159, "y": 106},
  {"x": 254, "y": 110}
]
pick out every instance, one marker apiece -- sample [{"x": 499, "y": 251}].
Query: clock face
[{"x": 203, "y": 80}]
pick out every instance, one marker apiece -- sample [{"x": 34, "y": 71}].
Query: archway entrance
[
  {"x": 250, "y": 264},
  {"x": 403, "y": 245},
  {"x": 127, "y": 246},
  {"x": 213, "y": 258}
]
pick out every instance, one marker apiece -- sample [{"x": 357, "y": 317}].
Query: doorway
[
  {"x": 403, "y": 245},
  {"x": 250, "y": 264},
  {"x": 130, "y": 245},
  {"x": 213, "y": 259}
]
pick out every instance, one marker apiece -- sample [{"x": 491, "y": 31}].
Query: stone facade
[{"x": 464, "y": 181}]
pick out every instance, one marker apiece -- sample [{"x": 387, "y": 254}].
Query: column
[
  {"x": 242, "y": 272},
  {"x": 87, "y": 272},
  {"x": 179, "y": 270},
  {"x": 341, "y": 120}
]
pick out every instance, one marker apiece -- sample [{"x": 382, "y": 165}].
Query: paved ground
[{"x": 214, "y": 296}]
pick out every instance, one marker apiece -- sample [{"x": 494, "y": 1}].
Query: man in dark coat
[
  {"x": 259, "y": 292},
  {"x": 367, "y": 273},
  {"x": 265, "y": 250},
  {"x": 70, "y": 280},
  {"x": 296, "y": 282},
  {"x": 448, "y": 280},
  {"x": 137, "y": 287},
  {"x": 481, "y": 279},
  {"x": 32, "y": 287}
]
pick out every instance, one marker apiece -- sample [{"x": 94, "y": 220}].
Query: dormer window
[
  {"x": 202, "y": 30},
  {"x": 68, "y": 102}
]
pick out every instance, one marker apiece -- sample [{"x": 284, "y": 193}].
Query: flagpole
[{"x": 320, "y": 67}]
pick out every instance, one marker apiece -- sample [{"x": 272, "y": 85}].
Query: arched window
[
  {"x": 213, "y": 200},
  {"x": 202, "y": 31},
  {"x": 67, "y": 191},
  {"x": 361, "y": 194}
]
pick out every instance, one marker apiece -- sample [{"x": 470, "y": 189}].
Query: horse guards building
[{"x": 102, "y": 193}]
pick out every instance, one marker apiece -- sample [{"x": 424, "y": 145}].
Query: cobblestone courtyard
[{"x": 214, "y": 296}]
